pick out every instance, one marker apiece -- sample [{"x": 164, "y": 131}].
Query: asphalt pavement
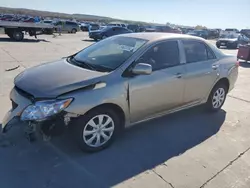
[{"x": 188, "y": 149}]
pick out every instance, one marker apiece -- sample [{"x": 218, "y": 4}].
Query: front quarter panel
[{"x": 112, "y": 92}]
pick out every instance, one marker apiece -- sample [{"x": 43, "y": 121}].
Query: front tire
[
  {"x": 104, "y": 37},
  {"x": 217, "y": 97},
  {"x": 73, "y": 31},
  {"x": 97, "y": 129},
  {"x": 17, "y": 35}
]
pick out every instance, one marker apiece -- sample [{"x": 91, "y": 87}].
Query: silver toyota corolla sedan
[{"x": 117, "y": 82}]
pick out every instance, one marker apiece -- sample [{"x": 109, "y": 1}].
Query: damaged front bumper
[
  {"x": 19, "y": 103},
  {"x": 50, "y": 126}
]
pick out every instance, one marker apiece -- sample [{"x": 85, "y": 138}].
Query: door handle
[
  {"x": 178, "y": 75},
  {"x": 215, "y": 67}
]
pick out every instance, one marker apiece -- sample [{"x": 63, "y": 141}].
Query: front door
[
  {"x": 163, "y": 89},
  {"x": 201, "y": 70}
]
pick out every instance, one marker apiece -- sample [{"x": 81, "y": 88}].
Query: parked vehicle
[
  {"x": 116, "y": 25},
  {"x": 134, "y": 28},
  {"x": 84, "y": 26},
  {"x": 232, "y": 30},
  {"x": 48, "y": 21},
  {"x": 245, "y": 32},
  {"x": 199, "y": 33},
  {"x": 48, "y": 30},
  {"x": 213, "y": 33},
  {"x": 118, "y": 82},
  {"x": 15, "y": 29},
  {"x": 231, "y": 40},
  {"x": 107, "y": 32},
  {"x": 163, "y": 29},
  {"x": 7, "y": 17},
  {"x": 29, "y": 20},
  {"x": 68, "y": 26},
  {"x": 93, "y": 27},
  {"x": 149, "y": 29},
  {"x": 186, "y": 29}
]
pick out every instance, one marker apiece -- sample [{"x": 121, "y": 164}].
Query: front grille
[{"x": 24, "y": 93}]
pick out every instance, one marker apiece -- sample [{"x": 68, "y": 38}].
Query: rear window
[{"x": 196, "y": 51}]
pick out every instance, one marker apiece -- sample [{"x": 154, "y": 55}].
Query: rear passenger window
[{"x": 197, "y": 51}]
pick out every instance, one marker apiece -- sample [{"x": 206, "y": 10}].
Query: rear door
[
  {"x": 67, "y": 26},
  {"x": 201, "y": 70}
]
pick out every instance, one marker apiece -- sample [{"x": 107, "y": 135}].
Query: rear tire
[
  {"x": 217, "y": 97},
  {"x": 91, "y": 127},
  {"x": 217, "y": 45}
]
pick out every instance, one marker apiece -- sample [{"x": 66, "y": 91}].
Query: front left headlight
[{"x": 43, "y": 109}]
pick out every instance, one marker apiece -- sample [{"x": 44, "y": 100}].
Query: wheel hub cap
[
  {"x": 218, "y": 97},
  {"x": 98, "y": 130}
]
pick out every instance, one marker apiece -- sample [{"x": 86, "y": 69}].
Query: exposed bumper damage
[{"x": 51, "y": 126}]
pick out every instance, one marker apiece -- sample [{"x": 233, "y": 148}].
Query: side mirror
[{"x": 142, "y": 69}]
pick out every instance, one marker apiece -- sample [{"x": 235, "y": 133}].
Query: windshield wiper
[{"x": 82, "y": 63}]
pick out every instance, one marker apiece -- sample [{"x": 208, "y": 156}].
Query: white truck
[{"x": 15, "y": 29}]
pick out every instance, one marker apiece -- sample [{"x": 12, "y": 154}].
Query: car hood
[{"x": 50, "y": 80}]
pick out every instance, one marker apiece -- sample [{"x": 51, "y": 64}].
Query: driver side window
[{"x": 161, "y": 56}]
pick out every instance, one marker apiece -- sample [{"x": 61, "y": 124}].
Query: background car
[
  {"x": 164, "y": 29},
  {"x": 68, "y": 26},
  {"x": 213, "y": 33},
  {"x": 94, "y": 26},
  {"x": 116, "y": 24},
  {"x": 232, "y": 30},
  {"x": 232, "y": 40},
  {"x": 133, "y": 27},
  {"x": 7, "y": 17},
  {"x": 84, "y": 26},
  {"x": 199, "y": 33},
  {"x": 186, "y": 29},
  {"x": 245, "y": 32},
  {"x": 107, "y": 32}
]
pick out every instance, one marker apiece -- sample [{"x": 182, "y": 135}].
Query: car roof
[{"x": 155, "y": 36}]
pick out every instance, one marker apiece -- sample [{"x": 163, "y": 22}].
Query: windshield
[{"x": 110, "y": 53}]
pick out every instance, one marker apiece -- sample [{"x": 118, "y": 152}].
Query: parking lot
[{"x": 188, "y": 149}]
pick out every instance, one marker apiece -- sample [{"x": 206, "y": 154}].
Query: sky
[{"x": 211, "y": 13}]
